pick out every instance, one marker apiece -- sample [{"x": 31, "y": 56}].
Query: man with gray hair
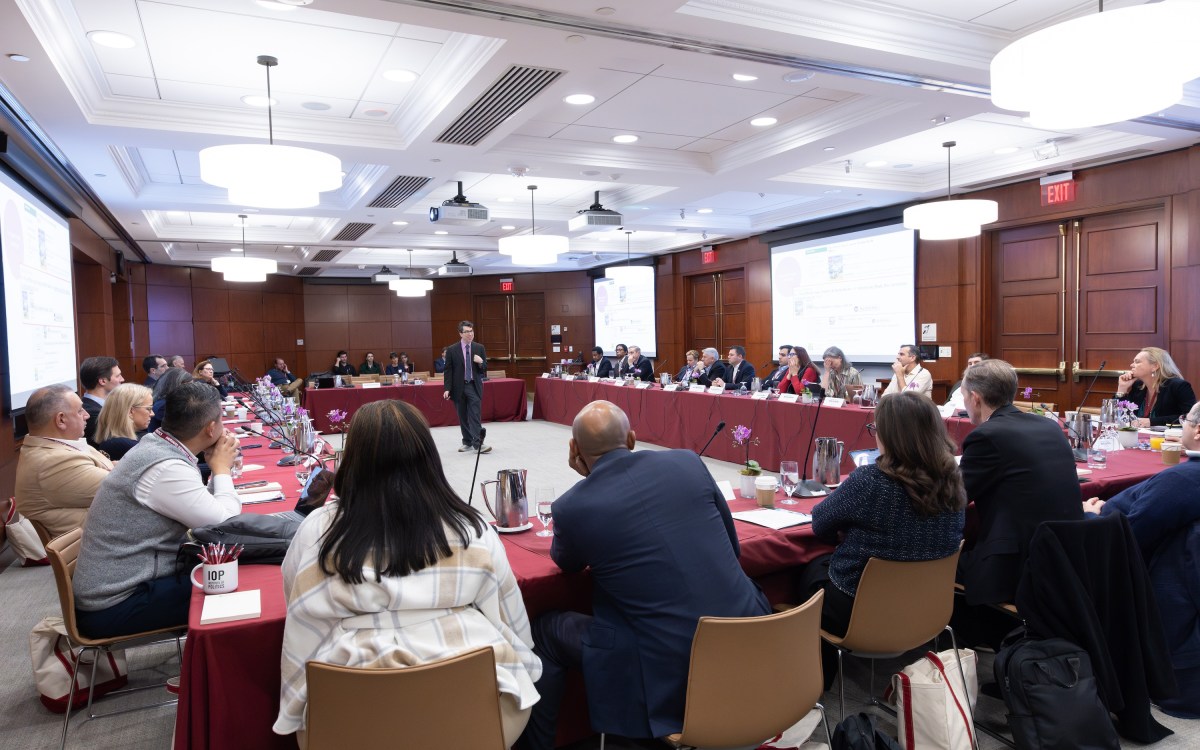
[
  {"x": 1019, "y": 470},
  {"x": 126, "y": 579},
  {"x": 714, "y": 368},
  {"x": 637, "y": 365},
  {"x": 657, "y": 535},
  {"x": 58, "y": 473}
]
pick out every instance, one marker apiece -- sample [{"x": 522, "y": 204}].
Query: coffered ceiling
[{"x": 859, "y": 96}]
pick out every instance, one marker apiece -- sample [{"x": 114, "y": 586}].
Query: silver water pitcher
[
  {"x": 868, "y": 395},
  {"x": 512, "y": 506},
  {"x": 1081, "y": 431},
  {"x": 1108, "y": 411},
  {"x": 827, "y": 461}
]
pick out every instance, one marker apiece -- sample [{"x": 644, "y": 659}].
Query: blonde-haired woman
[
  {"x": 124, "y": 419},
  {"x": 1153, "y": 383}
]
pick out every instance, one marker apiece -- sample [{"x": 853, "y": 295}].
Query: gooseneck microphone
[
  {"x": 716, "y": 432},
  {"x": 810, "y": 487},
  {"x": 482, "y": 435},
  {"x": 1092, "y": 384}
]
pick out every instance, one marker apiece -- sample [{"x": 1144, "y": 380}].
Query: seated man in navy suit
[
  {"x": 599, "y": 366},
  {"x": 637, "y": 365},
  {"x": 741, "y": 372},
  {"x": 651, "y": 587},
  {"x": 714, "y": 368}
]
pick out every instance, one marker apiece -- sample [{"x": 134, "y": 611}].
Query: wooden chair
[
  {"x": 64, "y": 552},
  {"x": 419, "y": 375},
  {"x": 898, "y": 606},
  {"x": 437, "y": 377},
  {"x": 450, "y": 703},
  {"x": 497, "y": 374},
  {"x": 360, "y": 379},
  {"x": 42, "y": 532},
  {"x": 750, "y": 678},
  {"x": 1028, "y": 406}
]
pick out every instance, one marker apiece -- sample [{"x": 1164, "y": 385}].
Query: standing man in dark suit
[
  {"x": 741, "y": 372},
  {"x": 662, "y": 549},
  {"x": 1019, "y": 471},
  {"x": 466, "y": 369},
  {"x": 599, "y": 366}
]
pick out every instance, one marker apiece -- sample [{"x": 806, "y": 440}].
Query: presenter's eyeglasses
[{"x": 871, "y": 429}]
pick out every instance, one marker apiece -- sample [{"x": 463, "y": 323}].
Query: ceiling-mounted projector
[
  {"x": 454, "y": 267},
  {"x": 596, "y": 218},
  {"x": 460, "y": 212}
]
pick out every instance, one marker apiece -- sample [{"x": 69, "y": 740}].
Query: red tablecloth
[
  {"x": 231, "y": 671},
  {"x": 686, "y": 420},
  {"x": 503, "y": 401},
  {"x": 1125, "y": 469}
]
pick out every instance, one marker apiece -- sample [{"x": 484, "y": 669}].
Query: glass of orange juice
[{"x": 1156, "y": 443}]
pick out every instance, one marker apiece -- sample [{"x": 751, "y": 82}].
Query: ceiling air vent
[
  {"x": 308, "y": 271},
  {"x": 513, "y": 90},
  {"x": 325, "y": 256},
  {"x": 401, "y": 189},
  {"x": 352, "y": 231}
]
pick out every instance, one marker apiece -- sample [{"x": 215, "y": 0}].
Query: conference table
[
  {"x": 681, "y": 419},
  {"x": 504, "y": 400},
  {"x": 229, "y": 694}
]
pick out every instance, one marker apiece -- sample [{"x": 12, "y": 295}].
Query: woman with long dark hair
[
  {"x": 801, "y": 372},
  {"x": 909, "y": 505},
  {"x": 400, "y": 572}
]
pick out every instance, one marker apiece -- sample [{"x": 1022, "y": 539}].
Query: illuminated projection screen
[
  {"x": 624, "y": 312},
  {"x": 854, "y": 290},
  {"x": 39, "y": 313}
]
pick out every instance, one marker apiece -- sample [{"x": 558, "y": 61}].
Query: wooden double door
[
  {"x": 1078, "y": 298},
  {"x": 513, "y": 328},
  {"x": 716, "y": 313}
]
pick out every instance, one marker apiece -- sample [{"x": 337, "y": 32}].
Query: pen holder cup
[{"x": 218, "y": 579}]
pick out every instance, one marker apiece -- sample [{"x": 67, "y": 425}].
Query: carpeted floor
[{"x": 28, "y": 594}]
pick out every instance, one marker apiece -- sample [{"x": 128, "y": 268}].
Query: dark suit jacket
[
  {"x": 745, "y": 376},
  {"x": 1019, "y": 471},
  {"x": 662, "y": 549},
  {"x": 643, "y": 370},
  {"x": 601, "y": 369},
  {"x": 772, "y": 380},
  {"x": 1175, "y": 400},
  {"x": 716, "y": 371},
  {"x": 456, "y": 370},
  {"x": 93, "y": 410},
  {"x": 344, "y": 370}
]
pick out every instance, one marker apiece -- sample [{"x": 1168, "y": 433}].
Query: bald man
[{"x": 657, "y": 535}]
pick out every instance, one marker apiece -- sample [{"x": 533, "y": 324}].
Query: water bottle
[
  {"x": 404, "y": 376},
  {"x": 235, "y": 469}
]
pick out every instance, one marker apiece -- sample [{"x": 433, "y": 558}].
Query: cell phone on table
[
  {"x": 248, "y": 485},
  {"x": 253, "y": 445}
]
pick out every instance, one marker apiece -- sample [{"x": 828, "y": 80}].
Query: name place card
[
  {"x": 545, "y": 374},
  {"x": 671, "y": 387},
  {"x": 716, "y": 390},
  {"x": 789, "y": 398},
  {"x": 593, "y": 379},
  {"x": 726, "y": 488},
  {"x": 370, "y": 385},
  {"x": 834, "y": 403},
  {"x": 618, "y": 383},
  {"x": 643, "y": 384},
  {"x": 760, "y": 395},
  {"x": 695, "y": 388}
]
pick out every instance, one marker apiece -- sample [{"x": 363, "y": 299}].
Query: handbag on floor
[
  {"x": 931, "y": 709},
  {"x": 23, "y": 538},
  {"x": 858, "y": 732},
  {"x": 52, "y": 656}
]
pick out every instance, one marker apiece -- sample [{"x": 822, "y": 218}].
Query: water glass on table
[
  {"x": 544, "y": 499},
  {"x": 789, "y": 479},
  {"x": 1097, "y": 458},
  {"x": 303, "y": 472}
]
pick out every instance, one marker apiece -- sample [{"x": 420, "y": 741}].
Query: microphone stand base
[
  {"x": 291, "y": 460},
  {"x": 1080, "y": 455},
  {"x": 810, "y": 488}
]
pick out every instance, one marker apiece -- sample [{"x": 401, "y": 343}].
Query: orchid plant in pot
[
  {"x": 1127, "y": 424},
  {"x": 750, "y": 468},
  {"x": 338, "y": 423}
]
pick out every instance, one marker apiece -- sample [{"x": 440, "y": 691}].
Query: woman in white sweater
[{"x": 400, "y": 572}]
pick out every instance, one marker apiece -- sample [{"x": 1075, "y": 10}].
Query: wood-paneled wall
[{"x": 360, "y": 319}]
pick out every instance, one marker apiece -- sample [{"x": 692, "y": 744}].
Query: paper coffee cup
[
  {"x": 764, "y": 491},
  {"x": 1171, "y": 453}
]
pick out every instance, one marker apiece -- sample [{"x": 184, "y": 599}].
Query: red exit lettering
[
  {"x": 1059, "y": 192},
  {"x": 506, "y": 286},
  {"x": 708, "y": 256}
]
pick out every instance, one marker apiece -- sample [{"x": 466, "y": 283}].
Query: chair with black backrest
[
  {"x": 63, "y": 552},
  {"x": 898, "y": 607},
  {"x": 450, "y": 703}
]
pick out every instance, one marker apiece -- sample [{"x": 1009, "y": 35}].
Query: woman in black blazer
[{"x": 1153, "y": 383}]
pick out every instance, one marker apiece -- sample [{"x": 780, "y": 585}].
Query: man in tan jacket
[{"x": 57, "y": 472}]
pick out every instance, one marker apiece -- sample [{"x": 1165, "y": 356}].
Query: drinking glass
[
  {"x": 303, "y": 471},
  {"x": 1097, "y": 458},
  {"x": 545, "y": 502},
  {"x": 789, "y": 479}
]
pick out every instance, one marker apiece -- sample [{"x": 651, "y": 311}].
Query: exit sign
[
  {"x": 1058, "y": 189},
  {"x": 506, "y": 285},
  {"x": 708, "y": 256}
]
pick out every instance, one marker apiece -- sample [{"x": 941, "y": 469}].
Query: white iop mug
[{"x": 218, "y": 579}]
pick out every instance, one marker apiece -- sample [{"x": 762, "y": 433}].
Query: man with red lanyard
[
  {"x": 908, "y": 374},
  {"x": 126, "y": 580}
]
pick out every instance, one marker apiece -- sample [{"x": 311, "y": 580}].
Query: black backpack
[
  {"x": 266, "y": 537},
  {"x": 858, "y": 732},
  {"x": 1050, "y": 691}
]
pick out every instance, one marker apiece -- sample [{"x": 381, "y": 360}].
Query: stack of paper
[
  {"x": 268, "y": 487},
  {"x": 250, "y": 498},
  {"x": 240, "y": 605},
  {"x": 773, "y": 518}
]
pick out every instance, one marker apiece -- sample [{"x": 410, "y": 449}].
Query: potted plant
[
  {"x": 338, "y": 424},
  {"x": 1127, "y": 424},
  {"x": 750, "y": 469}
]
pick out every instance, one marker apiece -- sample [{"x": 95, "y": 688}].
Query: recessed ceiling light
[
  {"x": 272, "y": 5},
  {"x": 235, "y": 250},
  {"x": 399, "y": 223},
  {"x": 99, "y": 174},
  {"x": 762, "y": 122},
  {"x": 798, "y": 76},
  {"x": 111, "y": 39},
  {"x": 316, "y": 106},
  {"x": 704, "y": 210},
  {"x": 575, "y": 39},
  {"x": 579, "y": 99},
  {"x": 744, "y": 77},
  {"x": 254, "y": 100},
  {"x": 590, "y": 172},
  {"x": 828, "y": 148},
  {"x": 508, "y": 226},
  {"x": 289, "y": 247},
  {"x": 832, "y": 190},
  {"x": 18, "y": 58},
  {"x": 901, "y": 166},
  {"x": 399, "y": 75},
  {"x": 375, "y": 112},
  {"x": 441, "y": 231},
  {"x": 625, "y": 139},
  {"x": 1005, "y": 150},
  {"x": 605, "y": 11},
  {"x": 876, "y": 163}
]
